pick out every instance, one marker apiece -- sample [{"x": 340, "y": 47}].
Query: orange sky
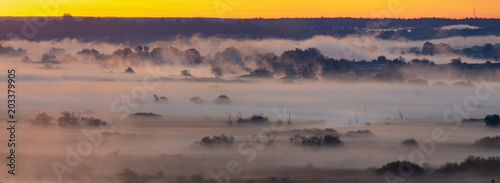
[{"x": 253, "y": 8}]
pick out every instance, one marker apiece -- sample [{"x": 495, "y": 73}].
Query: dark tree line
[
  {"x": 67, "y": 119},
  {"x": 143, "y": 30},
  {"x": 487, "y": 51}
]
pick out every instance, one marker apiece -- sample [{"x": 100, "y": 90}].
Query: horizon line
[{"x": 248, "y": 18}]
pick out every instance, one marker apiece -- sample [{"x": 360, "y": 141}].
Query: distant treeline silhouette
[{"x": 143, "y": 30}]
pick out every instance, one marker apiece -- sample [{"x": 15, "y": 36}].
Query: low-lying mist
[{"x": 156, "y": 109}]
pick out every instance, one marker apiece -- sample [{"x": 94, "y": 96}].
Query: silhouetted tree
[
  {"x": 492, "y": 120},
  {"x": 42, "y": 119}
]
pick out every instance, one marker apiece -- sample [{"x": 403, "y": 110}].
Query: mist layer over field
[{"x": 169, "y": 141}]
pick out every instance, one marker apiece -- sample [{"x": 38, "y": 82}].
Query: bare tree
[
  {"x": 400, "y": 114},
  {"x": 229, "y": 121},
  {"x": 351, "y": 122},
  {"x": 289, "y": 122},
  {"x": 239, "y": 117}
]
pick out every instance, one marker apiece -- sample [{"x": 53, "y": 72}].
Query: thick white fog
[{"x": 391, "y": 112}]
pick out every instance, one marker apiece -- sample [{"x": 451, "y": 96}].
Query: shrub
[
  {"x": 72, "y": 119},
  {"x": 258, "y": 118},
  {"x": 401, "y": 166},
  {"x": 42, "y": 119},
  {"x": 359, "y": 132},
  {"x": 222, "y": 100},
  {"x": 409, "y": 142},
  {"x": 489, "y": 141},
  {"x": 128, "y": 176},
  {"x": 146, "y": 114},
  {"x": 216, "y": 140},
  {"x": 197, "y": 100},
  {"x": 327, "y": 140},
  {"x": 254, "y": 119},
  {"x": 92, "y": 122},
  {"x": 69, "y": 119},
  {"x": 186, "y": 73},
  {"x": 492, "y": 120},
  {"x": 314, "y": 131}
]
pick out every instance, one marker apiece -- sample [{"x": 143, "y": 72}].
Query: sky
[{"x": 253, "y": 8}]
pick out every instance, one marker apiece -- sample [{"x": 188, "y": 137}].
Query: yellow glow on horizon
[{"x": 251, "y": 9}]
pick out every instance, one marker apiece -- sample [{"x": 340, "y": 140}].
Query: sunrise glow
[{"x": 252, "y": 9}]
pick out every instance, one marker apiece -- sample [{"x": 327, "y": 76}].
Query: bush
[
  {"x": 359, "y": 132},
  {"x": 69, "y": 119},
  {"x": 327, "y": 140},
  {"x": 222, "y": 100},
  {"x": 197, "y": 100},
  {"x": 254, "y": 119},
  {"x": 128, "y": 176},
  {"x": 489, "y": 141},
  {"x": 42, "y": 119},
  {"x": 216, "y": 140},
  {"x": 146, "y": 114},
  {"x": 72, "y": 119},
  {"x": 492, "y": 120},
  {"x": 401, "y": 166},
  {"x": 409, "y": 142},
  {"x": 314, "y": 131}
]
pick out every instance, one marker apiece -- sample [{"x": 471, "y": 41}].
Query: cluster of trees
[
  {"x": 401, "y": 166},
  {"x": 293, "y": 64},
  {"x": 216, "y": 140},
  {"x": 145, "y": 114},
  {"x": 10, "y": 51},
  {"x": 255, "y": 119},
  {"x": 489, "y": 141},
  {"x": 487, "y": 51},
  {"x": 492, "y": 120},
  {"x": 490, "y": 165},
  {"x": 314, "y": 131},
  {"x": 327, "y": 140},
  {"x": 158, "y": 55},
  {"x": 358, "y": 132},
  {"x": 222, "y": 100},
  {"x": 197, "y": 100},
  {"x": 410, "y": 142},
  {"x": 485, "y": 166},
  {"x": 67, "y": 119}
]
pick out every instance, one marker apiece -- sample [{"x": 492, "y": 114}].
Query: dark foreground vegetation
[{"x": 128, "y": 175}]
